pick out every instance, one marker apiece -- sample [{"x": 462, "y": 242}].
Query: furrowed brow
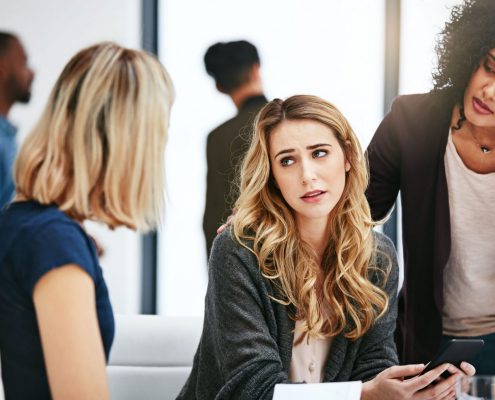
[
  {"x": 286, "y": 151},
  {"x": 315, "y": 146}
]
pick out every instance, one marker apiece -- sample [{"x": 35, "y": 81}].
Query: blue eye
[
  {"x": 285, "y": 162},
  {"x": 319, "y": 153}
]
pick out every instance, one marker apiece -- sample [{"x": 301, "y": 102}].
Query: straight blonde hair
[
  {"x": 97, "y": 150},
  {"x": 346, "y": 300}
]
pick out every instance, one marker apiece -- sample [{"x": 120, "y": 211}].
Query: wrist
[{"x": 366, "y": 391}]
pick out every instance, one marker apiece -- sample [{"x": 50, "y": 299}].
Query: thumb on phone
[{"x": 402, "y": 371}]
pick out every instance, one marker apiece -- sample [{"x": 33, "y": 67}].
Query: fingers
[
  {"x": 420, "y": 382},
  {"x": 468, "y": 369},
  {"x": 227, "y": 223},
  {"x": 448, "y": 395},
  {"x": 464, "y": 383},
  {"x": 465, "y": 369},
  {"x": 401, "y": 371},
  {"x": 443, "y": 389},
  {"x": 221, "y": 228}
]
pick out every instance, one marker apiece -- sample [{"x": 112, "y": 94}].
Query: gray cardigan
[{"x": 246, "y": 344}]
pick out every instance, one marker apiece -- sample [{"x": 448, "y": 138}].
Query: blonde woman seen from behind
[
  {"x": 95, "y": 154},
  {"x": 300, "y": 288}
]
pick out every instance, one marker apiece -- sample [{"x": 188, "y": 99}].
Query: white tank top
[{"x": 469, "y": 276}]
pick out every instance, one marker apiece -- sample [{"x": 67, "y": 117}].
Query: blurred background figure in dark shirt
[{"x": 235, "y": 67}]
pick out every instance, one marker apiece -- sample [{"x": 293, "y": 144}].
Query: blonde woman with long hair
[
  {"x": 95, "y": 154},
  {"x": 300, "y": 287}
]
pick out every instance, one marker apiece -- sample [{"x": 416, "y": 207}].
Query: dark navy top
[{"x": 34, "y": 239}]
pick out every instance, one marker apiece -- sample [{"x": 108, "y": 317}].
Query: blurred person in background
[
  {"x": 235, "y": 67},
  {"x": 16, "y": 78},
  {"x": 95, "y": 154},
  {"x": 438, "y": 150}
]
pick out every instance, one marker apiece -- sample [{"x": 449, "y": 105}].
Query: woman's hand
[
  {"x": 227, "y": 223},
  {"x": 390, "y": 384},
  {"x": 467, "y": 369}
]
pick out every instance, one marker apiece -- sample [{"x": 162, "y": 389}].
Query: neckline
[{"x": 457, "y": 157}]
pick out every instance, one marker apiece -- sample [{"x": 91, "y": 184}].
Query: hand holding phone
[{"x": 454, "y": 352}]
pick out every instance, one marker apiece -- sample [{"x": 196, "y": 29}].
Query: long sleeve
[
  {"x": 238, "y": 357},
  {"x": 236, "y": 299},
  {"x": 384, "y": 158}
]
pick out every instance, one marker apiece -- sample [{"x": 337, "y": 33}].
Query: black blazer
[
  {"x": 406, "y": 154},
  {"x": 225, "y": 149}
]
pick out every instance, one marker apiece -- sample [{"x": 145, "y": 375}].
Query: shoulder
[
  {"x": 417, "y": 100},
  {"x": 47, "y": 223},
  {"x": 46, "y": 238},
  {"x": 230, "y": 256},
  {"x": 226, "y": 244},
  {"x": 237, "y": 125},
  {"x": 421, "y": 105},
  {"x": 413, "y": 117},
  {"x": 221, "y": 130}
]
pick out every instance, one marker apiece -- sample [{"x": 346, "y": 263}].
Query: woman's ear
[{"x": 347, "y": 166}]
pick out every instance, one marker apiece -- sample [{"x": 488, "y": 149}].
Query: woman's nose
[
  {"x": 308, "y": 172},
  {"x": 489, "y": 90}
]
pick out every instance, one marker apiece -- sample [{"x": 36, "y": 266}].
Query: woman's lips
[
  {"x": 313, "y": 197},
  {"x": 480, "y": 107}
]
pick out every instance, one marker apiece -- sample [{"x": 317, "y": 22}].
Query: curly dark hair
[{"x": 464, "y": 41}]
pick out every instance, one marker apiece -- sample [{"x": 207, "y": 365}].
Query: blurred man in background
[
  {"x": 15, "y": 86},
  {"x": 235, "y": 67}
]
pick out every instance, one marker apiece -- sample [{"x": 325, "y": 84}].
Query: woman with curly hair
[
  {"x": 438, "y": 150},
  {"x": 300, "y": 287},
  {"x": 95, "y": 154}
]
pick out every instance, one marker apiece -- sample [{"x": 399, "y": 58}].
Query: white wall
[
  {"x": 52, "y": 31},
  {"x": 333, "y": 49},
  {"x": 422, "y": 21}
]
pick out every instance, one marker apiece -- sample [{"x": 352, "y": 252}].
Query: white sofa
[
  {"x": 1, "y": 385},
  {"x": 151, "y": 356}
]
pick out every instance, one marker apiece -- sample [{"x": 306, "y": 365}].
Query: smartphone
[{"x": 454, "y": 352}]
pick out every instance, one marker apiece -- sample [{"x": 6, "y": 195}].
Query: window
[{"x": 327, "y": 48}]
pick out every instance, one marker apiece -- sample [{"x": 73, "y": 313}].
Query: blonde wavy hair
[
  {"x": 342, "y": 299},
  {"x": 97, "y": 150}
]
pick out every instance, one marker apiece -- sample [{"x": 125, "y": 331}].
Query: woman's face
[
  {"x": 309, "y": 168},
  {"x": 479, "y": 98}
]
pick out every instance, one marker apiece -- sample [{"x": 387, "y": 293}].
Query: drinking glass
[{"x": 481, "y": 387}]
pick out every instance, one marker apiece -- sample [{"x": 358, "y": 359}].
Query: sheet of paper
[{"x": 319, "y": 391}]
